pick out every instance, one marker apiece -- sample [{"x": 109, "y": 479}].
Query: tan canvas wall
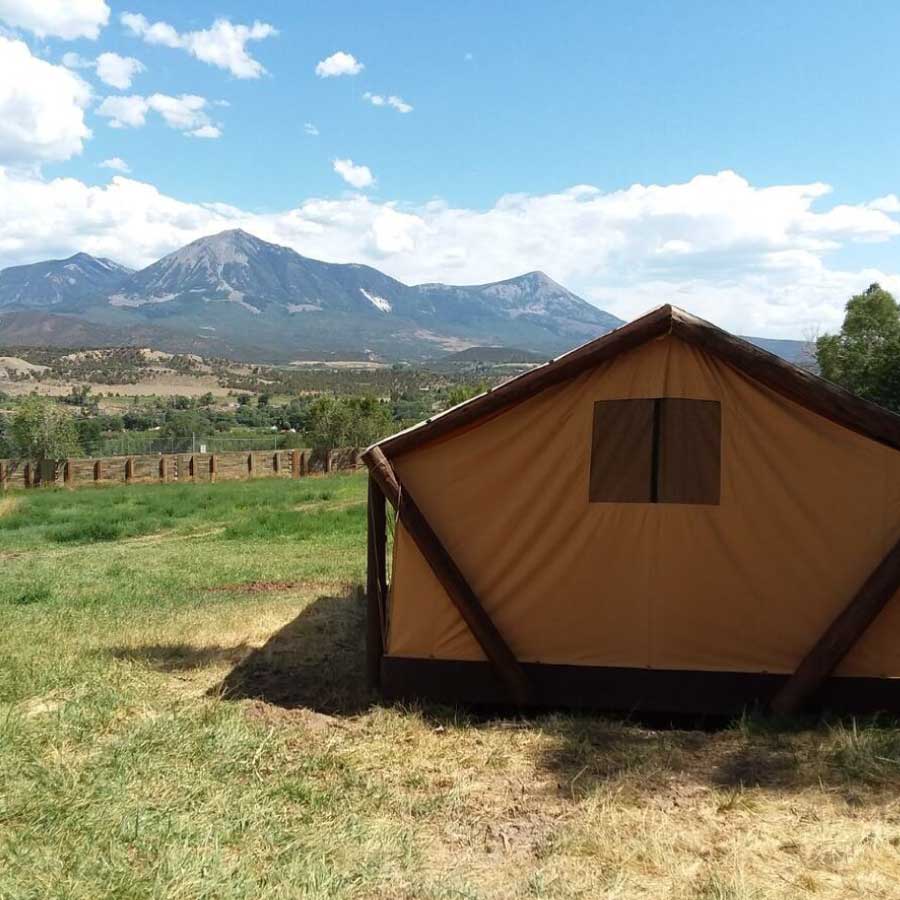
[{"x": 807, "y": 510}]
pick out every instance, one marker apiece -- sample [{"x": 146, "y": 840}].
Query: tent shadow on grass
[{"x": 316, "y": 661}]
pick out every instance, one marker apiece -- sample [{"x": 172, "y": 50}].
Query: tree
[
  {"x": 865, "y": 356},
  {"x": 41, "y": 429},
  {"x": 346, "y": 422},
  {"x": 459, "y": 393}
]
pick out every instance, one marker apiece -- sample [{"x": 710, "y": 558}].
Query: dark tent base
[{"x": 623, "y": 689}]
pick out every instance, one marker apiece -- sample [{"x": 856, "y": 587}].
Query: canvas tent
[{"x": 667, "y": 518}]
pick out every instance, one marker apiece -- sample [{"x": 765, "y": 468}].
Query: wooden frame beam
[
  {"x": 449, "y": 575},
  {"x": 376, "y": 583},
  {"x": 841, "y": 636}
]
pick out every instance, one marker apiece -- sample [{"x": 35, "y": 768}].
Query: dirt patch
[
  {"x": 259, "y": 587},
  {"x": 270, "y": 715},
  {"x": 269, "y": 587}
]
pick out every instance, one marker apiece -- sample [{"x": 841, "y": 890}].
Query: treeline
[{"x": 42, "y": 428}]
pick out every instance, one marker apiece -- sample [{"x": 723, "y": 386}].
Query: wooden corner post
[
  {"x": 376, "y": 583},
  {"x": 460, "y": 592},
  {"x": 841, "y": 636}
]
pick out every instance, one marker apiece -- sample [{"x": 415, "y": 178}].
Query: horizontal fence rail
[{"x": 170, "y": 467}]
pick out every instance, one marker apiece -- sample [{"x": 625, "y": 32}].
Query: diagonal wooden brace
[
  {"x": 840, "y": 637},
  {"x": 449, "y": 575}
]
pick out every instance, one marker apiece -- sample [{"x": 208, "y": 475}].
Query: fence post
[
  {"x": 29, "y": 481},
  {"x": 129, "y": 469},
  {"x": 191, "y": 470},
  {"x": 251, "y": 464},
  {"x": 276, "y": 462},
  {"x": 4, "y": 474},
  {"x": 295, "y": 463},
  {"x": 98, "y": 470},
  {"x": 327, "y": 462},
  {"x": 67, "y": 473},
  {"x": 213, "y": 467}
]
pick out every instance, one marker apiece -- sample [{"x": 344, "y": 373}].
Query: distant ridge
[
  {"x": 235, "y": 295},
  {"x": 494, "y": 356},
  {"x": 232, "y": 294}
]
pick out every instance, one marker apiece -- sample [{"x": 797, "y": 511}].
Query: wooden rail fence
[{"x": 166, "y": 467}]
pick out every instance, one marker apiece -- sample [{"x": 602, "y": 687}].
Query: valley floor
[{"x": 183, "y": 714}]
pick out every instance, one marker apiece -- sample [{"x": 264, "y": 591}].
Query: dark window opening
[{"x": 663, "y": 450}]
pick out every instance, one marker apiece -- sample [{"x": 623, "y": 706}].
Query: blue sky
[
  {"x": 555, "y": 94},
  {"x": 764, "y": 103}
]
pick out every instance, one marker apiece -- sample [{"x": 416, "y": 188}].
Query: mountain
[
  {"x": 800, "y": 353},
  {"x": 234, "y": 295},
  {"x": 59, "y": 282},
  {"x": 493, "y": 356}
]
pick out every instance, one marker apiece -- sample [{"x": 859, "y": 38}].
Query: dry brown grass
[
  {"x": 172, "y": 726},
  {"x": 569, "y": 806}
]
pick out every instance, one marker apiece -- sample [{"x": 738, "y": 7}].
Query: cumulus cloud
[
  {"x": 185, "y": 113},
  {"x": 339, "y": 63},
  {"x": 393, "y": 100},
  {"x": 310, "y": 129},
  {"x": 118, "y": 71},
  {"x": 752, "y": 259},
  {"x": 890, "y": 203},
  {"x": 41, "y": 108},
  {"x": 124, "y": 112},
  {"x": 357, "y": 176},
  {"x": 66, "y": 19},
  {"x": 117, "y": 164},
  {"x": 205, "y": 131},
  {"x": 223, "y": 44}
]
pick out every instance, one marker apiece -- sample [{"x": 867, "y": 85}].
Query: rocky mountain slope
[
  {"x": 58, "y": 282},
  {"x": 232, "y": 294}
]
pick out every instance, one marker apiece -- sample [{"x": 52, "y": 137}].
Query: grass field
[{"x": 182, "y": 714}]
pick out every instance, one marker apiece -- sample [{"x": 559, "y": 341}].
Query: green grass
[
  {"x": 58, "y": 516},
  {"x": 183, "y": 714}
]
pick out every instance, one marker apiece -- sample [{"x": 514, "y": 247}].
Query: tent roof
[{"x": 804, "y": 388}]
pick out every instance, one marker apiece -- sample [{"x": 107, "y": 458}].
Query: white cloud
[
  {"x": 890, "y": 203},
  {"x": 339, "y": 63},
  {"x": 310, "y": 129},
  {"x": 118, "y": 71},
  {"x": 66, "y": 19},
  {"x": 754, "y": 260},
  {"x": 206, "y": 131},
  {"x": 72, "y": 60},
  {"x": 223, "y": 44},
  {"x": 357, "y": 176},
  {"x": 399, "y": 104},
  {"x": 185, "y": 113},
  {"x": 124, "y": 112},
  {"x": 117, "y": 164},
  {"x": 41, "y": 108},
  {"x": 393, "y": 100}
]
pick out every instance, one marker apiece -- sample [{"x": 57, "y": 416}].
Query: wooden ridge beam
[
  {"x": 449, "y": 575},
  {"x": 521, "y": 387},
  {"x": 796, "y": 384},
  {"x": 841, "y": 636}
]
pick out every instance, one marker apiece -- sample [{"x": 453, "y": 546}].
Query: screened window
[{"x": 663, "y": 450}]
